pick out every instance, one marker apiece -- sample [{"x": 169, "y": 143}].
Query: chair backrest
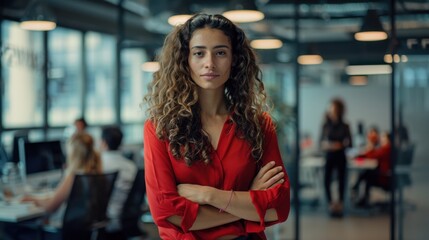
[
  {"x": 404, "y": 161},
  {"x": 87, "y": 204},
  {"x": 405, "y": 155},
  {"x": 132, "y": 208}
]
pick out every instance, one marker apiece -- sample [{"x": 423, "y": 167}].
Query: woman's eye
[
  {"x": 198, "y": 54},
  {"x": 221, "y": 53}
]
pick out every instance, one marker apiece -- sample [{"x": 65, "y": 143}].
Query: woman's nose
[{"x": 209, "y": 64}]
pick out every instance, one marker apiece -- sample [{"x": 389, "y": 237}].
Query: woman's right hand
[{"x": 268, "y": 177}]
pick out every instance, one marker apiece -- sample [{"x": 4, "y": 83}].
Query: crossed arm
[{"x": 236, "y": 205}]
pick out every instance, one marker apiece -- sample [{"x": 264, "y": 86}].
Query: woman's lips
[{"x": 210, "y": 76}]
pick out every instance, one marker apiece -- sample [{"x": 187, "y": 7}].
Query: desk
[
  {"x": 352, "y": 164},
  {"x": 315, "y": 167},
  {"x": 16, "y": 212}
]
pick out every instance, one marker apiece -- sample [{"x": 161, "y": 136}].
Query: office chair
[
  {"x": 131, "y": 210},
  {"x": 85, "y": 215},
  {"x": 404, "y": 160}
]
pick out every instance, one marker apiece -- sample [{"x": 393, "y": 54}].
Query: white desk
[
  {"x": 315, "y": 169},
  {"x": 16, "y": 212},
  {"x": 352, "y": 164}
]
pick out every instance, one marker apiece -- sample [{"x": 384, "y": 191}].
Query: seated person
[
  {"x": 80, "y": 125},
  {"x": 113, "y": 160},
  {"x": 372, "y": 139},
  {"x": 380, "y": 176},
  {"x": 81, "y": 159}
]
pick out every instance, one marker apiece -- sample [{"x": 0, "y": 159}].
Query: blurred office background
[{"x": 92, "y": 64}]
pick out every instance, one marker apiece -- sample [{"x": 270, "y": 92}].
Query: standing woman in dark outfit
[{"x": 334, "y": 140}]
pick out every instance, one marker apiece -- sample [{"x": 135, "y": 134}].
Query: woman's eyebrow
[{"x": 204, "y": 47}]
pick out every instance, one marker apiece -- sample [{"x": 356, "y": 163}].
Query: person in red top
[
  {"x": 380, "y": 176},
  {"x": 212, "y": 162}
]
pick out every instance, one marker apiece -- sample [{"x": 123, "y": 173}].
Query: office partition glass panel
[
  {"x": 65, "y": 76},
  {"x": 133, "y": 84},
  {"x": 412, "y": 134},
  {"x": 101, "y": 74},
  {"x": 279, "y": 83},
  {"x": 22, "y": 69}
]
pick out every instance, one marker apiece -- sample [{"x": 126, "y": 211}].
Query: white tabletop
[
  {"x": 352, "y": 164},
  {"x": 17, "y": 212}
]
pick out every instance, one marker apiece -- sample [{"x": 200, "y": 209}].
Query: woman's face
[
  {"x": 373, "y": 137},
  {"x": 210, "y": 58},
  {"x": 333, "y": 112},
  {"x": 384, "y": 139}
]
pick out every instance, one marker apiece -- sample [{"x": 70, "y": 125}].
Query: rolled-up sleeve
[
  {"x": 277, "y": 197},
  {"x": 161, "y": 188}
]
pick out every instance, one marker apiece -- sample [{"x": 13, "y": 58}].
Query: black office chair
[
  {"x": 85, "y": 215},
  {"x": 404, "y": 160},
  {"x": 131, "y": 210}
]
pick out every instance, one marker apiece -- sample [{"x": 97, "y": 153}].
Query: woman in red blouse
[
  {"x": 212, "y": 162},
  {"x": 378, "y": 177}
]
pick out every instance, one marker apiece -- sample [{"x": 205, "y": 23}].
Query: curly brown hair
[{"x": 173, "y": 100}]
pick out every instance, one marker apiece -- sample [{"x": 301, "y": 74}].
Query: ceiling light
[
  {"x": 371, "y": 29},
  {"x": 368, "y": 69},
  {"x": 150, "y": 66},
  {"x": 358, "y": 80},
  {"x": 38, "y": 17},
  {"x": 310, "y": 55},
  {"x": 396, "y": 58},
  {"x": 310, "y": 59},
  {"x": 388, "y": 58},
  {"x": 178, "y": 19},
  {"x": 266, "y": 43},
  {"x": 244, "y": 11}
]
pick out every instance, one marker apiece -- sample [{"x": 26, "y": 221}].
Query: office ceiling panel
[{"x": 328, "y": 24}]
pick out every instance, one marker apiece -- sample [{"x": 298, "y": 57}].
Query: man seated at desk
[{"x": 380, "y": 176}]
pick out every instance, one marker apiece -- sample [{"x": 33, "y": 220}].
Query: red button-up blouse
[{"x": 232, "y": 168}]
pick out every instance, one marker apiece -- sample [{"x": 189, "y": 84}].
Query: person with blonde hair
[
  {"x": 212, "y": 162},
  {"x": 81, "y": 159}
]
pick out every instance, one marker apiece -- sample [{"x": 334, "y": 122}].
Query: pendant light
[
  {"x": 371, "y": 29},
  {"x": 181, "y": 12},
  {"x": 38, "y": 17},
  {"x": 310, "y": 57},
  {"x": 268, "y": 43},
  {"x": 242, "y": 11}
]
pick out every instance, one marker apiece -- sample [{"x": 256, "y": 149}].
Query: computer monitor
[
  {"x": 20, "y": 135},
  {"x": 3, "y": 158},
  {"x": 41, "y": 162}
]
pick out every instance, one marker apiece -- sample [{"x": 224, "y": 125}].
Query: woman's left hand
[{"x": 195, "y": 193}]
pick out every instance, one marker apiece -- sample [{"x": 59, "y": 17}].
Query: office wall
[{"x": 368, "y": 104}]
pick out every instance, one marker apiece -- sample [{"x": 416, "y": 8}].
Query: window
[
  {"x": 22, "y": 68},
  {"x": 65, "y": 76},
  {"x": 133, "y": 85},
  {"x": 100, "y": 55}
]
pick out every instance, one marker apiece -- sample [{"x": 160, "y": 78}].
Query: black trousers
[
  {"x": 335, "y": 161},
  {"x": 242, "y": 238}
]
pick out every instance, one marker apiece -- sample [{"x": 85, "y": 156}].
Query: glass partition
[{"x": 412, "y": 166}]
